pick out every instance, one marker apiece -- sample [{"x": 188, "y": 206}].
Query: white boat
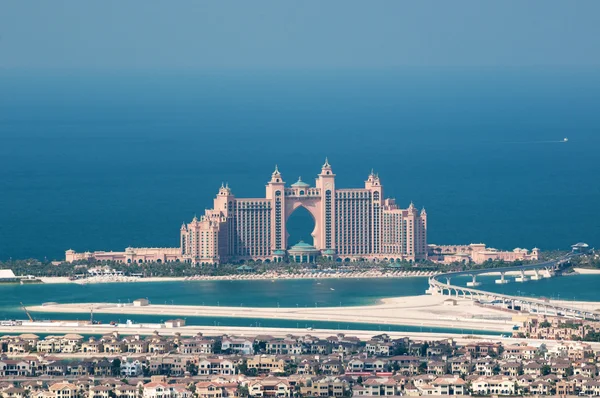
[{"x": 565, "y": 139}]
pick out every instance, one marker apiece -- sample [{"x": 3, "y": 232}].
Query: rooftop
[
  {"x": 6, "y": 274},
  {"x": 302, "y": 247},
  {"x": 300, "y": 184}
]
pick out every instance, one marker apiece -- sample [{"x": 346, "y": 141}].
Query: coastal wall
[
  {"x": 130, "y": 255},
  {"x": 478, "y": 253}
]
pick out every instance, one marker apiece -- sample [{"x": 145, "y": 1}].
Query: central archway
[{"x": 300, "y": 226}]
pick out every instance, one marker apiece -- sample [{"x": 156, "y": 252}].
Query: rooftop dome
[
  {"x": 300, "y": 184},
  {"x": 303, "y": 247},
  {"x": 580, "y": 244},
  {"x": 303, "y": 244}
]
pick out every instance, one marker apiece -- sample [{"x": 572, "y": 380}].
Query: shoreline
[
  {"x": 370, "y": 274},
  {"x": 587, "y": 271},
  {"x": 365, "y": 335},
  {"x": 423, "y": 310},
  {"x": 275, "y": 276}
]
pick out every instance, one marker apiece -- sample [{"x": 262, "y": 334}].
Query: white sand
[
  {"x": 425, "y": 311},
  {"x": 250, "y": 276},
  {"x": 587, "y": 271},
  {"x": 55, "y": 279}
]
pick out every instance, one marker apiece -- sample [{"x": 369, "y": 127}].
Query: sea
[
  {"x": 277, "y": 293},
  {"x": 105, "y": 160},
  {"x": 108, "y": 159}
]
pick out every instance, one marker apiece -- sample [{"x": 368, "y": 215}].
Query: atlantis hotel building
[{"x": 350, "y": 224}]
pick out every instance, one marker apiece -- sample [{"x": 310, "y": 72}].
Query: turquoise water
[
  {"x": 569, "y": 287},
  {"x": 97, "y": 162},
  {"x": 286, "y": 293}
]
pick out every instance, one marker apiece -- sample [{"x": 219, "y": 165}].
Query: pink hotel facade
[{"x": 350, "y": 224}]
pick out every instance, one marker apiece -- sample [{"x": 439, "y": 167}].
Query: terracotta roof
[
  {"x": 126, "y": 387},
  {"x": 101, "y": 388},
  {"x": 155, "y": 384},
  {"x": 449, "y": 380},
  {"x": 204, "y": 384},
  {"x": 62, "y": 386}
]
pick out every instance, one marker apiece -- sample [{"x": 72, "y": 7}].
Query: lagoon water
[
  {"x": 285, "y": 293},
  {"x": 568, "y": 287},
  {"x": 260, "y": 293},
  {"x": 103, "y": 161}
]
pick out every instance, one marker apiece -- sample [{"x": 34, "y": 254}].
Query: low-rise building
[
  {"x": 493, "y": 385},
  {"x": 196, "y": 345},
  {"x": 164, "y": 390},
  {"x": 216, "y": 366},
  {"x": 13, "y": 368},
  {"x": 266, "y": 364},
  {"x": 324, "y": 387},
  {"x": 131, "y": 368},
  {"x": 268, "y": 387},
  {"x": 63, "y": 390},
  {"x": 238, "y": 345}
]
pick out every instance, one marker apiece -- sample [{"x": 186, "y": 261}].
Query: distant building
[
  {"x": 175, "y": 323},
  {"x": 141, "y": 302},
  {"x": 130, "y": 255},
  {"x": 581, "y": 248},
  {"x": 239, "y": 345},
  {"x": 266, "y": 364},
  {"x": 131, "y": 368},
  {"x": 478, "y": 253},
  {"x": 450, "y": 302}
]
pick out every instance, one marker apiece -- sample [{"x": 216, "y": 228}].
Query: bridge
[{"x": 441, "y": 284}]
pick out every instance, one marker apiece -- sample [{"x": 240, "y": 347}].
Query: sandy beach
[
  {"x": 249, "y": 276},
  {"x": 421, "y": 311},
  {"x": 424, "y": 311},
  {"x": 106, "y": 279},
  {"x": 587, "y": 271},
  {"x": 274, "y": 275}
]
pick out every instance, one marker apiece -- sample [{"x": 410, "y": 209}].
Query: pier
[
  {"x": 474, "y": 282},
  {"x": 502, "y": 279},
  {"x": 442, "y": 285}
]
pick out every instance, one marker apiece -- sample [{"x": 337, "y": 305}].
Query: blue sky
[{"x": 141, "y": 34}]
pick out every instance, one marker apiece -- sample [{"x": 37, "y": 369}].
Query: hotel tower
[{"x": 350, "y": 224}]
